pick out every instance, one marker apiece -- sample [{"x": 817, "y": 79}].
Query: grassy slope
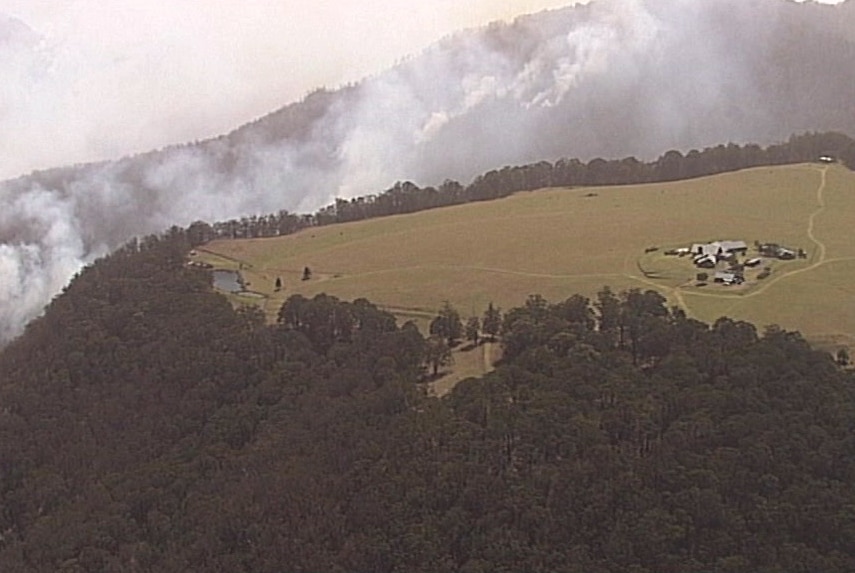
[{"x": 561, "y": 241}]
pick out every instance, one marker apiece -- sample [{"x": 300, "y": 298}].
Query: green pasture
[{"x": 557, "y": 242}]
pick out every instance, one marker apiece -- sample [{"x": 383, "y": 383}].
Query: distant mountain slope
[{"x": 612, "y": 78}]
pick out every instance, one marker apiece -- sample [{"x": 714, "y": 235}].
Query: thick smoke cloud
[
  {"x": 85, "y": 80},
  {"x": 611, "y": 78}
]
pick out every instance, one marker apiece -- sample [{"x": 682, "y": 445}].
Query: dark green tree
[
  {"x": 609, "y": 321},
  {"x": 437, "y": 353},
  {"x": 473, "y": 329},
  {"x": 324, "y": 319},
  {"x": 842, "y": 357},
  {"x": 492, "y": 322},
  {"x": 447, "y": 324}
]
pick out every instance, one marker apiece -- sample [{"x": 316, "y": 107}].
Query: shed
[
  {"x": 705, "y": 261},
  {"x": 734, "y": 246},
  {"x": 727, "y": 277}
]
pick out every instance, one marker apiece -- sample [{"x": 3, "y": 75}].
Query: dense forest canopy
[{"x": 145, "y": 425}]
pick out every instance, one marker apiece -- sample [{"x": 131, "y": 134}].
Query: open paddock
[{"x": 557, "y": 242}]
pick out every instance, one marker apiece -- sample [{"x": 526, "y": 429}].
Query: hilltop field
[{"x": 557, "y": 242}]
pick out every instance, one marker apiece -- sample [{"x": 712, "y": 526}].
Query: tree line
[
  {"x": 146, "y": 425},
  {"x": 407, "y": 197}
]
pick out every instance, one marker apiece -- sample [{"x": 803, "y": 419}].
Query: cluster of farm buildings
[{"x": 709, "y": 255}]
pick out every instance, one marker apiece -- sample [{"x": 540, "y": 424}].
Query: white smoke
[
  {"x": 611, "y": 78},
  {"x": 37, "y": 266},
  {"x": 621, "y": 29}
]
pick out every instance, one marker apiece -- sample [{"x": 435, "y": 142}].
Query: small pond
[{"x": 228, "y": 281}]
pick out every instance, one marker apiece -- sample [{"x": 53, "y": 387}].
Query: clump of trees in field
[
  {"x": 447, "y": 329},
  {"x": 449, "y": 325}
]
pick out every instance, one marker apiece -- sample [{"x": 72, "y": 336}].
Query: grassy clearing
[
  {"x": 469, "y": 362},
  {"x": 557, "y": 242}
]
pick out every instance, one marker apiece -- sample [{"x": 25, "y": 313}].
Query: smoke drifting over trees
[{"x": 612, "y": 78}]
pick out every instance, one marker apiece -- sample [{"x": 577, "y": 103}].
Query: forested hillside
[{"x": 146, "y": 426}]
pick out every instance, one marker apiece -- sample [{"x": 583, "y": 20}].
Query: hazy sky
[
  {"x": 95, "y": 79},
  {"x": 92, "y": 79}
]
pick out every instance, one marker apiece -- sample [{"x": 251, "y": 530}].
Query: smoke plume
[{"x": 612, "y": 78}]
